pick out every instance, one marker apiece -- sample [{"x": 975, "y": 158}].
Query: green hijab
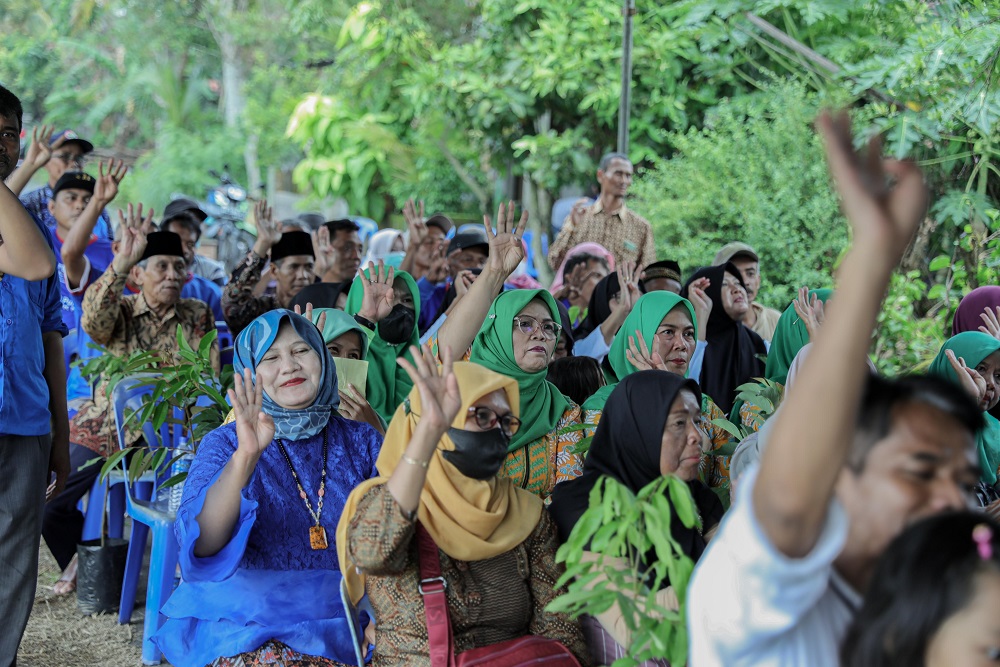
[
  {"x": 388, "y": 384},
  {"x": 973, "y": 347},
  {"x": 337, "y": 324},
  {"x": 790, "y": 336},
  {"x": 646, "y": 315},
  {"x": 542, "y": 404}
]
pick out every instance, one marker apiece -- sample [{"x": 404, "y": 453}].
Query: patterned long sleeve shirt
[
  {"x": 489, "y": 601},
  {"x": 239, "y": 303},
  {"x": 628, "y": 236},
  {"x": 122, "y": 325}
]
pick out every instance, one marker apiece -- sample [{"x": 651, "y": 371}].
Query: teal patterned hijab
[{"x": 251, "y": 346}]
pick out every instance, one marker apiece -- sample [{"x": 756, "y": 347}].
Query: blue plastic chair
[
  {"x": 354, "y": 620},
  {"x": 111, "y": 494},
  {"x": 149, "y": 510},
  {"x": 225, "y": 342}
]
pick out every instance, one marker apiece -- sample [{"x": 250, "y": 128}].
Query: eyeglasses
[
  {"x": 486, "y": 419},
  {"x": 70, "y": 159},
  {"x": 529, "y": 325}
]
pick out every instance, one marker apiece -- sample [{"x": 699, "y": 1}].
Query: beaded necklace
[{"x": 317, "y": 533}]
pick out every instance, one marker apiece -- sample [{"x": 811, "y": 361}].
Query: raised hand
[
  {"x": 378, "y": 294},
  {"x": 972, "y": 382},
  {"x": 415, "y": 222},
  {"x": 463, "y": 282},
  {"x": 440, "y": 399},
  {"x": 810, "y": 311},
  {"x": 702, "y": 304},
  {"x": 40, "y": 150},
  {"x": 991, "y": 320},
  {"x": 133, "y": 242},
  {"x": 254, "y": 427},
  {"x": 640, "y": 356},
  {"x": 326, "y": 253},
  {"x": 268, "y": 229},
  {"x": 628, "y": 281},
  {"x": 356, "y": 408},
  {"x": 884, "y": 200},
  {"x": 579, "y": 208},
  {"x": 106, "y": 187},
  {"x": 320, "y": 323},
  {"x": 506, "y": 250}
]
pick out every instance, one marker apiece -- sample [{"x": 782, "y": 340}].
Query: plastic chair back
[{"x": 354, "y": 620}]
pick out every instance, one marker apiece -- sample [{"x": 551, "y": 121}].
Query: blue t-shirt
[
  {"x": 28, "y": 309},
  {"x": 37, "y": 203},
  {"x": 99, "y": 255},
  {"x": 431, "y": 297}
]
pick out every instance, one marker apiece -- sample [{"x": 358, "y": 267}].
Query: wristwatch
[{"x": 365, "y": 322}]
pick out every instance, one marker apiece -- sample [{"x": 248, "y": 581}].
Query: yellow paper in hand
[{"x": 352, "y": 371}]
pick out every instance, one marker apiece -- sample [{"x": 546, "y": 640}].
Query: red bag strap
[{"x": 432, "y": 587}]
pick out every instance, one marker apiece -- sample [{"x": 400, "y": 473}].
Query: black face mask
[
  {"x": 477, "y": 454},
  {"x": 397, "y": 326}
]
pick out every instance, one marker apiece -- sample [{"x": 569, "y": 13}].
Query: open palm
[
  {"x": 506, "y": 248},
  {"x": 254, "y": 428}
]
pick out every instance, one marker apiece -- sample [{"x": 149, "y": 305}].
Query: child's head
[
  {"x": 576, "y": 377},
  {"x": 934, "y": 598}
]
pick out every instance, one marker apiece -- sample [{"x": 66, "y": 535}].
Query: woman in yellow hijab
[{"x": 437, "y": 467}]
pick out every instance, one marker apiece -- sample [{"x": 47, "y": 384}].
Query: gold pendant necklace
[{"x": 317, "y": 533}]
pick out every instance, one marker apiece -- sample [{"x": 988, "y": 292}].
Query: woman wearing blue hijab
[{"x": 260, "y": 509}]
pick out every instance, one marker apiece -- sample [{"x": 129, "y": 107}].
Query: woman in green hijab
[
  {"x": 518, "y": 339},
  {"x": 387, "y": 304},
  {"x": 972, "y": 360},
  {"x": 670, "y": 325}
]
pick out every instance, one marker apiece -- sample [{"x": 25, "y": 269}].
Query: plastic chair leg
[
  {"x": 133, "y": 571},
  {"x": 96, "y": 498},
  {"x": 116, "y": 511},
  {"x": 162, "y": 567}
]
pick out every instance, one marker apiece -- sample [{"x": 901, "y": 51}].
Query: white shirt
[{"x": 751, "y": 605}]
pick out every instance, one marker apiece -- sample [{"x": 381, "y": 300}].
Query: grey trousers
[{"x": 24, "y": 463}]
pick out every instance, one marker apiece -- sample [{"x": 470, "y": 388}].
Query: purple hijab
[{"x": 972, "y": 306}]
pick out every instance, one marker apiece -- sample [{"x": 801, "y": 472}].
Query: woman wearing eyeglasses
[
  {"x": 516, "y": 333},
  {"x": 439, "y": 504}
]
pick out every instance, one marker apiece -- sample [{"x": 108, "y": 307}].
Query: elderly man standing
[
  {"x": 33, "y": 428},
  {"x": 607, "y": 221},
  {"x": 292, "y": 266},
  {"x": 122, "y": 325},
  {"x": 761, "y": 319}
]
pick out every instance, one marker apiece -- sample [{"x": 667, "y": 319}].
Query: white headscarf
[{"x": 380, "y": 245}]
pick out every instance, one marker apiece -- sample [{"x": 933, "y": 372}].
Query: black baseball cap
[
  {"x": 183, "y": 205},
  {"x": 469, "y": 238},
  {"x": 72, "y": 138},
  {"x": 75, "y": 180}
]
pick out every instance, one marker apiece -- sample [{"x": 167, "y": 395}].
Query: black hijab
[
  {"x": 320, "y": 295},
  {"x": 567, "y": 327},
  {"x": 627, "y": 447},
  {"x": 731, "y": 357},
  {"x": 599, "y": 308}
]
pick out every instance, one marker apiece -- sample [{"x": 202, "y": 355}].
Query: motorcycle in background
[{"x": 227, "y": 206}]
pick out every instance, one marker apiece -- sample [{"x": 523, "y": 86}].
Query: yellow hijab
[{"x": 469, "y": 519}]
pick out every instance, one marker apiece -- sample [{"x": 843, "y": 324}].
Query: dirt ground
[{"x": 58, "y": 635}]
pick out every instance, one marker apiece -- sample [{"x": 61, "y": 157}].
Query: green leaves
[{"x": 603, "y": 556}]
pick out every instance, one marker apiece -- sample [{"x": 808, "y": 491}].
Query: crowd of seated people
[{"x": 417, "y": 426}]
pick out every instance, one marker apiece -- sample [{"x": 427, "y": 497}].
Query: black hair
[
  {"x": 924, "y": 577},
  {"x": 10, "y": 106},
  {"x": 881, "y": 397},
  {"x": 578, "y": 378},
  {"x": 342, "y": 225},
  {"x": 186, "y": 220},
  {"x": 583, "y": 258},
  {"x": 608, "y": 157}
]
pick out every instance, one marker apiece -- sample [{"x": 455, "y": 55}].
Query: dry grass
[{"x": 58, "y": 635}]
